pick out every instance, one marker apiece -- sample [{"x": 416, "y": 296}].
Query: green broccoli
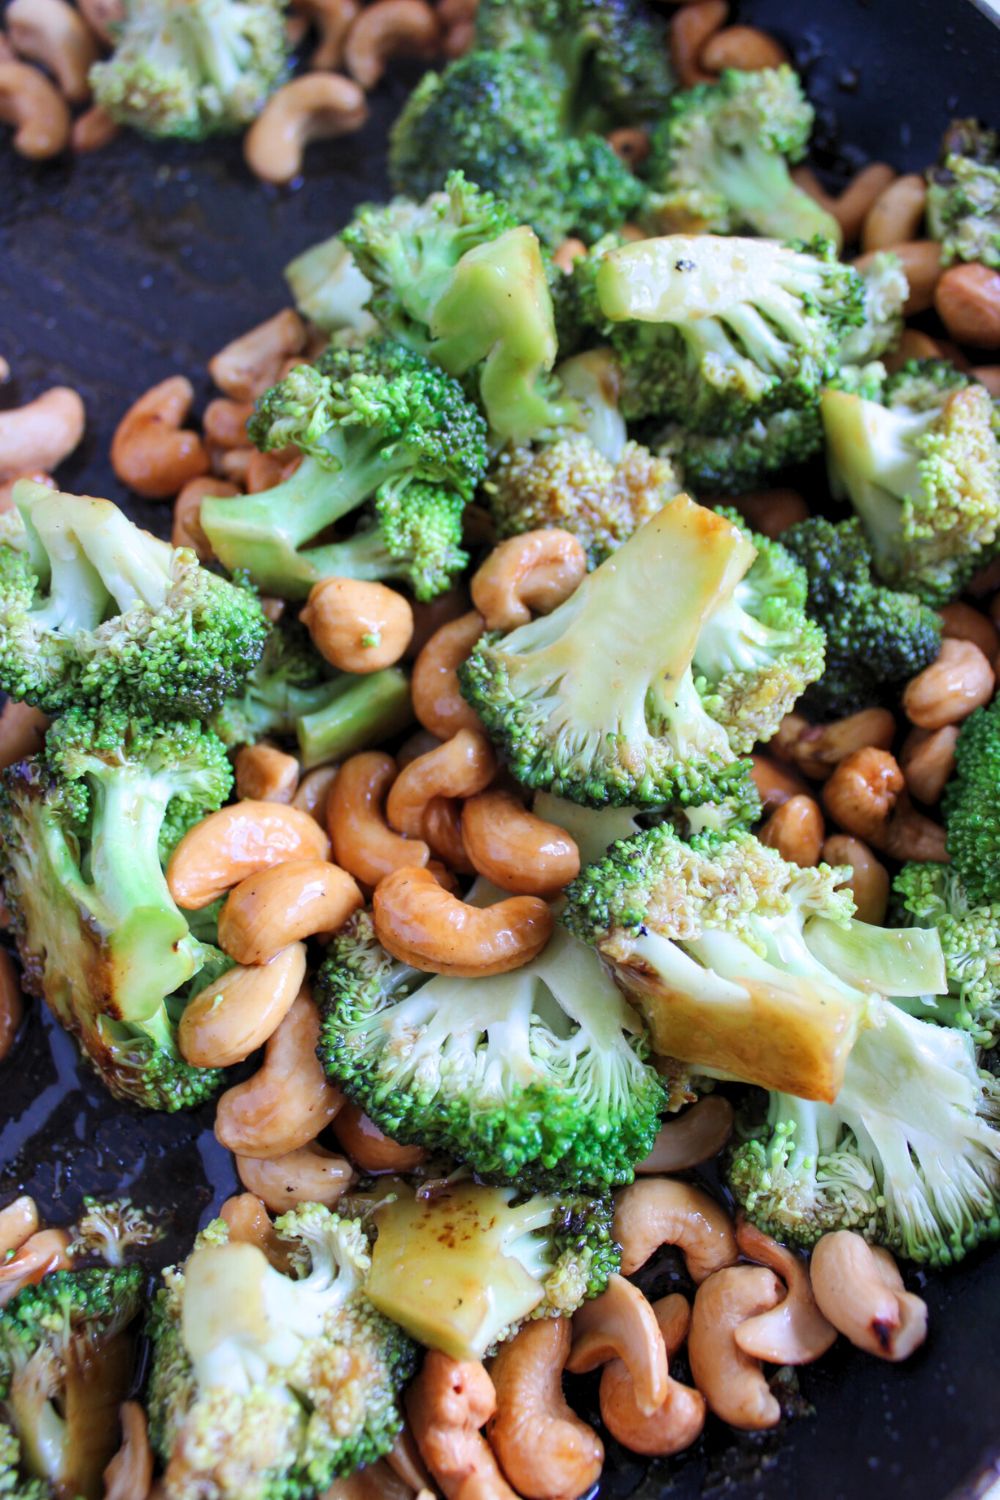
[
  {"x": 265, "y": 1385},
  {"x": 65, "y": 1367},
  {"x": 192, "y": 68},
  {"x": 743, "y": 963},
  {"x": 920, "y": 464},
  {"x": 537, "y": 1076},
  {"x": 84, "y": 828},
  {"x": 463, "y": 1267},
  {"x": 720, "y": 155},
  {"x": 93, "y": 609},
  {"x": 906, "y": 1155},
  {"x": 329, "y": 289},
  {"x": 929, "y": 895},
  {"x": 109, "y": 1230},
  {"x": 376, "y": 424},
  {"x": 876, "y": 638},
  {"x": 963, "y": 195},
  {"x": 885, "y": 292},
  {"x": 733, "y": 462},
  {"x": 970, "y": 806}
]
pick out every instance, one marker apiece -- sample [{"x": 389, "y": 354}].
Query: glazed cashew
[
  {"x": 620, "y": 1324},
  {"x": 231, "y": 1018},
  {"x": 332, "y": 19},
  {"x": 690, "y": 30},
  {"x": 430, "y": 615},
  {"x": 363, "y": 842},
  {"x": 42, "y": 433},
  {"x": 535, "y": 571},
  {"x": 795, "y": 829},
  {"x": 678, "y": 1420},
  {"x": 288, "y": 1101},
  {"x": 308, "y": 1175},
  {"x": 22, "y": 732},
  {"x": 18, "y": 1222},
  {"x": 42, "y": 1252},
  {"x": 250, "y": 1224},
  {"x": 896, "y": 215},
  {"x": 913, "y": 345},
  {"x": 860, "y": 1291},
  {"x": 772, "y": 511},
  {"x": 368, "y": 1148},
  {"x": 927, "y": 759},
  {"x": 93, "y": 130},
  {"x": 52, "y": 33},
  {"x": 265, "y": 774},
  {"x": 685, "y": 1140},
  {"x": 795, "y": 1332},
  {"x": 967, "y": 299},
  {"x": 775, "y": 784},
  {"x": 422, "y": 924},
  {"x": 238, "y": 841},
  {"x": 461, "y": 767},
  {"x": 949, "y": 689},
  {"x": 963, "y": 623},
  {"x": 437, "y": 699},
  {"x": 102, "y": 16},
  {"x": 851, "y": 206},
  {"x": 151, "y": 451},
  {"x": 404, "y": 1460},
  {"x": 514, "y": 849},
  {"x": 285, "y": 904},
  {"x": 543, "y": 1447},
  {"x": 922, "y": 264},
  {"x": 865, "y": 796},
  {"x": 37, "y": 111},
  {"x": 249, "y": 364},
  {"x": 315, "y": 107},
  {"x": 662, "y": 1211},
  {"x": 447, "y": 1404},
  {"x": 732, "y": 1383},
  {"x": 356, "y": 626},
  {"x": 234, "y": 465},
  {"x": 225, "y": 422},
  {"x": 130, "y": 1473},
  {"x": 187, "y": 530},
  {"x": 313, "y": 791},
  {"x": 743, "y": 47},
  {"x": 263, "y": 471},
  {"x": 11, "y": 1004},
  {"x": 388, "y": 29},
  {"x": 869, "y": 882},
  {"x": 816, "y": 749}
]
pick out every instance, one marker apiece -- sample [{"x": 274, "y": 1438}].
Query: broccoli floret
[
  {"x": 733, "y": 462},
  {"x": 929, "y": 895},
  {"x": 65, "y": 1367},
  {"x": 267, "y": 1385},
  {"x": 906, "y": 1155},
  {"x": 84, "y": 828},
  {"x": 963, "y": 195},
  {"x": 330, "y": 290},
  {"x": 876, "y": 638},
  {"x": 537, "y": 1076},
  {"x": 111, "y": 1229},
  {"x": 595, "y": 829},
  {"x": 719, "y": 159},
  {"x": 970, "y": 806},
  {"x": 921, "y": 466},
  {"x": 192, "y": 68},
  {"x": 743, "y": 963},
  {"x": 93, "y": 609},
  {"x": 370, "y": 423},
  {"x": 463, "y": 1267},
  {"x": 885, "y": 291},
  {"x": 713, "y": 332}
]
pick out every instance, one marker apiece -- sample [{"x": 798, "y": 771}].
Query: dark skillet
[{"x": 141, "y": 261}]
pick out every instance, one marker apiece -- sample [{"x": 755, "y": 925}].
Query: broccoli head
[
  {"x": 731, "y": 463},
  {"x": 110, "y": 1230},
  {"x": 192, "y": 68},
  {"x": 971, "y": 809},
  {"x": 885, "y": 292},
  {"x": 929, "y": 895},
  {"x": 963, "y": 195}
]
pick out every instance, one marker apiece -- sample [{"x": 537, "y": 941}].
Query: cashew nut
[
  {"x": 869, "y": 882},
  {"x": 187, "y": 531},
  {"x": 358, "y": 627},
  {"x": 795, "y": 829},
  {"x": 231, "y": 1018},
  {"x": 632, "y": 144},
  {"x": 514, "y": 848},
  {"x": 332, "y": 19},
  {"x": 661, "y": 1211},
  {"x": 250, "y": 1224},
  {"x": 22, "y": 732},
  {"x": 376, "y": 1482},
  {"x": 690, "y": 29},
  {"x": 225, "y": 422},
  {"x": 93, "y": 130},
  {"x": 851, "y": 206},
  {"x": 363, "y": 842},
  {"x": 266, "y": 774},
  {"x": 964, "y": 623},
  {"x": 859, "y": 1289},
  {"x": 11, "y": 1004},
  {"x": 687, "y": 1139},
  {"x": 927, "y": 760},
  {"x": 461, "y": 767},
  {"x": 447, "y": 1404},
  {"x": 38, "y": 112},
  {"x": 388, "y": 29},
  {"x": 620, "y": 1324},
  {"x": 308, "y": 1175},
  {"x": 567, "y": 252},
  {"x": 405, "y": 1461},
  {"x": 678, "y": 1420},
  {"x": 866, "y": 796},
  {"x": 151, "y": 451},
  {"x": 896, "y": 215},
  {"x": 52, "y": 33},
  {"x": 967, "y": 299},
  {"x": 732, "y": 1383},
  {"x": 743, "y": 47},
  {"x": 130, "y": 1473},
  {"x": 313, "y": 791},
  {"x": 795, "y": 1332},
  {"x": 317, "y": 106},
  {"x": 922, "y": 265},
  {"x": 285, "y": 904},
  {"x": 45, "y": 1251},
  {"x": 772, "y": 511},
  {"x": 42, "y": 433},
  {"x": 368, "y": 1148},
  {"x": 534, "y": 571},
  {"x": 950, "y": 688},
  {"x": 817, "y": 749},
  {"x": 422, "y": 924},
  {"x": 238, "y": 841},
  {"x": 774, "y": 783},
  {"x": 437, "y": 698},
  {"x": 18, "y": 1222},
  {"x": 248, "y": 365}
]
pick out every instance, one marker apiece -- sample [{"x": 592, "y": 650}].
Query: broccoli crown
[
  {"x": 906, "y": 1155},
  {"x": 876, "y": 637},
  {"x": 885, "y": 292},
  {"x": 963, "y": 195},
  {"x": 462, "y": 1268},
  {"x": 193, "y": 68},
  {"x": 109, "y": 1230},
  {"x": 537, "y": 1076},
  {"x": 733, "y": 462},
  {"x": 92, "y": 609},
  {"x": 570, "y": 484},
  {"x": 291, "y": 679},
  {"x": 265, "y": 1384},
  {"x": 929, "y": 895},
  {"x": 720, "y": 155},
  {"x": 85, "y": 828},
  {"x": 970, "y": 806},
  {"x": 65, "y": 1365},
  {"x": 920, "y": 464}
]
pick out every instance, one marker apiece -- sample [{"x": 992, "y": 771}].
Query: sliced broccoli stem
[
  {"x": 363, "y": 712},
  {"x": 364, "y": 555},
  {"x": 758, "y": 186}
]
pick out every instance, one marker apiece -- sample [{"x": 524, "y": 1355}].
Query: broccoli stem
[
  {"x": 366, "y": 711},
  {"x": 363, "y": 555},
  {"x": 759, "y": 189}
]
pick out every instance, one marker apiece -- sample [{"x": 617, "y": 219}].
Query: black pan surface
[{"x": 137, "y": 263}]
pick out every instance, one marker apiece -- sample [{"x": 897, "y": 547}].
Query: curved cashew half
[
  {"x": 368, "y": 1148},
  {"x": 130, "y": 1473},
  {"x": 387, "y": 29},
  {"x": 732, "y": 1383},
  {"x": 45, "y": 1251},
  {"x": 308, "y": 1175},
  {"x": 52, "y": 33},
  {"x": 461, "y": 767},
  {"x": 437, "y": 698},
  {"x": 285, "y": 904},
  {"x": 795, "y": 1332},
  {"x": 363, "y": 842},
  {"x": 861, "y": 1291},
  {"x": 514, "y": 848},
  {"x": 42, "y": 433},
  {"x": 93, "y": 130},
  {"x": 422, "y": 924},
  {"x": 866, "y": 796},
  {"x": 250, "y": 1224},
  {"x": 332, "y": 19},
  {"x": 534, "y": 571},
  {"x": 543, "y": 1447},
  {"x": 151, "y": 451},
  {"x": 317, "y": 106},
  {"x": 447, "y": 1404},
  {"x": 238, "y": 841},
  {"x": 231, "y": 1018},
  {"x": 685, "y": 1140},
  {"x": 662, "y": 1211},
  {"x": 246, "y": 366},
  {"x": 678, "y": 1421},
  {"x": 36, "y": 109},
  {"x": 620, "y": 1324}
]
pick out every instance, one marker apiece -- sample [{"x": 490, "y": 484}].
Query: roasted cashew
[
  {"x": 514, "y": 848},
  {"x": 18, "y": 1222},
  {"x": 36, "y": 109},
  {"x": 437, "y": 699},
  {"x": 989, "y": 376},
  {"x": 967, "y": 300},
  {"x": 93, "y": 130},
  {"x": 368, "y": 1148},
  {"x": 690, "y": 29},
  {"x": 186, "y": 531},
  {"x": 11, "y": 1004},
  {"x": 461, "y": 767},
  {"x": 42, "y": 433},
  {"x": 775, "y": 783},
  {"x": 795, "y": 830},
  {"x": 42, "y": 1252},
  {"x": 231, "y": 1018},
  {"x": 248, "y": 365},
  {"x": 265, "y": 774},
  {"x": 896, "y": 215},
  {"x": 357, "y": 626},
  {"x": 388, "y": 29},
  {"x": 289, "y": 1100},
  {"x": 568, "y": 252},
  {"x": 620, "y": 1324},
  {"x": 949, "y": 689},
  {"x": 404, "y": 1460},
  {"x": 732, "y": 1383},
  {"x": 922, "y": 264},
  {"x": 250, "y": 1224},
  {"x": 662, "y": 1211},
  {"x": 442, "y": 830},
  {"x": 130, "y": 1473},
  {"x": 103, "y": 16},
  {"x": 685, "y": 1140},
  {"x": 866, "y": 796},
  {"x": 363, "y": 842},
  {"x": 927, "y": 760},
  {"x": 543, "y": 1447},
  {"x": 859, "y": 1289},
  {"x": 422, "y": 924},
  {"x": 238, "y": 841},
  {"x": 430, "y": 615},
  {"x": 772, "y": 511},
  {"x": 22, "y": 732},
  {"x": 52, "y": 33},
  {"x": 795, "y": 1332},
  {"x": 963, "y": 623},
  {"x": 313, "y": 791},
  {"x": 742, "y": 47},
  {"x": 225, "y": 422},
  {"x": 332, "y": 19},
  {"x": 315, "y": 107},
  {"x": 535, "y": 571},
  {"x": 262, "y": 471},
  {"x": 285, "y": 904},
  {"x": 308, "y": 1175},
  {"x": 849, "y": 207},
  {"x": 151, "y": 451},
  {"x": 447, "y": 1404},
  {"x": 817, "y": 749},
  {"x": 677, "y": 1422},
  {"x": 869, "y": 882}
]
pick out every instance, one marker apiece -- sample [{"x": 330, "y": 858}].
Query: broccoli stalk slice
[{"x": 361, "y": 712}]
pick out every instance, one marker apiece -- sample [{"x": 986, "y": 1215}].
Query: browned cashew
[
  {"x": 896, "y": 215},
  {"x": 685, "y": 1140},
  {"x": 620, "y": 1324},
  {"x": 514, "y": 848},
  {"x": 363, "y": 842},
  {"x": 238, "y": 841},
  {"x": 732, "y": 1383},
  {"x": 313, "y": 791},
  {"x": 869, "y": 882},
  {"x": 743, "y": 47},
  {"x": 225, "y": 422},
  {"x": 103, "y": 16},
  {"x": 442, "y": 829},
  {"x": 949, "y": 689},
  {"x": 186, "y": 530},
  {"x": 289, "y": 1100},
  {"x": 430, "y": 616},
  {"x": 18, "y": 1222},
  {"x": 927, "y": 760},
  {"x": 358, "y": 626},
  {"x": 866, "y": 796},
  {"x": 235, "y": 1015},
  {"x": 332, "y": 19},
  {"x": 264, "y": 470},
  {"x": 93, "y": 130},
  {"x": 11, "y": 1004},
  {"x": 265, "y": 774},
  {"x": 690, "y": 29},
  {"x": 437, "y": 699},
  {"x": 772, "y": 511},
  {"x": 795, "y": 829},
  {"x": 405, "y": 1461},
  {"x": 308, "y": 1175},
  {"x": 851, "y": 206},
  {"x": 288, "y": 903},
  {"x": 368, "y": 1148},
  {"x": 543, "y": 1447},
  {"x": 421, "y": 924},
  {"x": 250, "y": 1224},
  {"x": 967, "y": 299},
  {"x": 535, "y": 571},
  {"x": 130, "y": 1473},
  {"x": 461, "y": 767},
  {"x": 42, "y": 433},
  {"x": 795, "y": 1332},
  {"x": 316, "y": 107},
  {"x": 662, "y": 1211},
  {"x": 151, "y": 451},
  {"x": 678, "y": 1421},
  {"x": 817, "y": 749},
  {"x": 52, "y": 33},
  {"x": 22, "y": 732},
  {"x": 447, "y": 1404},
  {"x": 36, "y": 109},
  {"x": 775, "y": 783},
  {"x": 45, "y": 1251},
  {"x": 388, "y": 29},
  {"x": 249, "y": 364},
  {"x": 861, "y": 1291},
  {"x": 964, "y": 623}
]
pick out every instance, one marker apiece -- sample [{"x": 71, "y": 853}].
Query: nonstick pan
[{"x": 137, "y": 263}]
